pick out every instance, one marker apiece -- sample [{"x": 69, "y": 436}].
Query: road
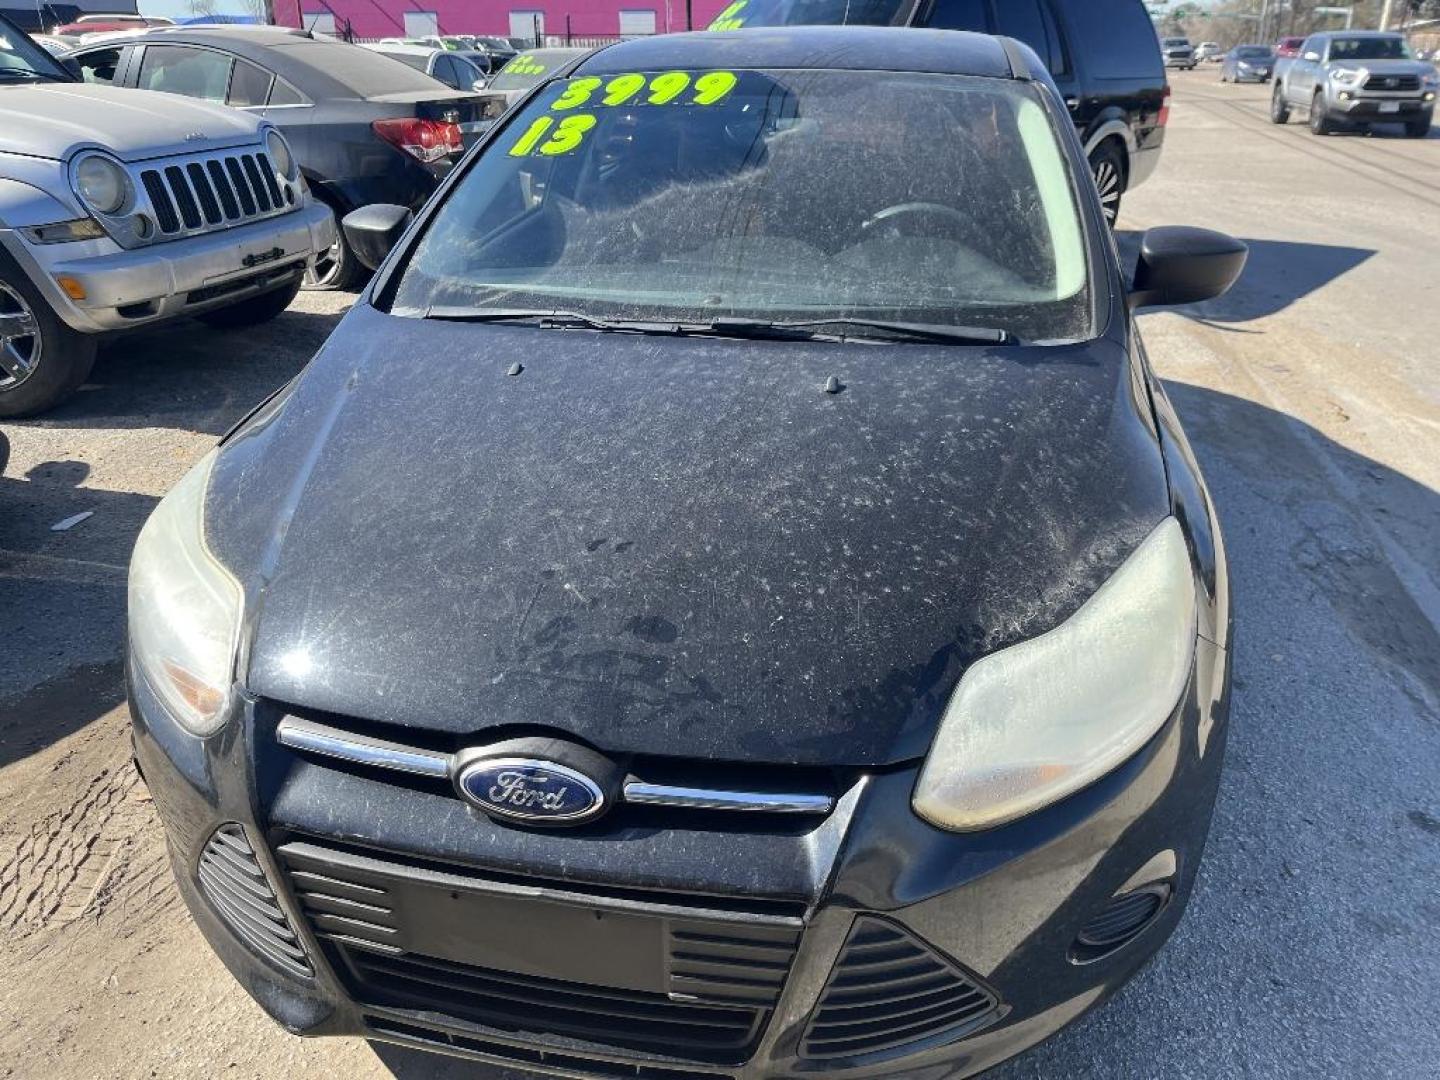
[{"x": 1311, "y": 392}]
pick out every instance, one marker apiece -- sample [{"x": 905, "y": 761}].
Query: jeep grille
[{"x": 212, "y": 192}]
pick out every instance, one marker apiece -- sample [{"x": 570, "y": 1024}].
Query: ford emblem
[{"x": 529, "y": 790}]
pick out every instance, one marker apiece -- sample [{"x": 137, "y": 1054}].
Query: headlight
[
  {"x": 1344, "y": 76},
  {"x": 184, "y": 609},
  {"x": 1040, "y": 720},
  {"x": 280, "y": 156},
  {"x": 101, "y": 184}
]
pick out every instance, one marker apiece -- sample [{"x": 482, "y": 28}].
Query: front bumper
[
  {"x": 1179, "y": 61},
  {"x": 138, "y": 287},
  {"x": 1378, "y": 108},
  {"x": 1252, "y": 74},
  {"x": 373, "y": 875}
]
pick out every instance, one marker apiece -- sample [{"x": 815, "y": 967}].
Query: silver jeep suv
[
  {"x": 1357, "y": 78},
  {"x": 124, "y": 208}
]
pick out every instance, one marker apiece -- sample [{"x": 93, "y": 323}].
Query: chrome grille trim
[
  {"x": 206, "y": 193},
  {"x": 306, "y": 735}
]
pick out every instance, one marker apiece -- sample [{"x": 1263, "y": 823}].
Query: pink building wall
[{"x": 587, "y": 18}]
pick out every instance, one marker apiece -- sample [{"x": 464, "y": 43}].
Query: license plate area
[{"x": 1389, "y": 106}]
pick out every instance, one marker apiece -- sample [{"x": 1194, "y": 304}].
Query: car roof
[{"x": 847, "y": 48}]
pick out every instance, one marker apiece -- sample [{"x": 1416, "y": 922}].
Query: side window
[
  {"x": 249, "y": 85},
  {"x": 1116, "y": 38},
  {"x": 179, "y": 69},
  {"x": 444, "y": 70},
  {"x": 1059, "y": 54},
  {"x": 1021, "y": 19},
  {"x": 468, "y": 72},
  {"x": 99, "y": 66},
  {"x": 282, "y": 93},
  {"x": 959, "y": 15}
]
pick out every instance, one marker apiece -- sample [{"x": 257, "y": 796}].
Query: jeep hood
[
  {"x": 55, "y": 120},
  {"x": 671, "y": 545}
]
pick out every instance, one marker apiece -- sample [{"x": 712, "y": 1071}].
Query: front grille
[
  {"x": 235, "y": 884},
  {"x": 213, "y": 192},
  {"x": 499, "y": 1000},
  {"x": 887, "y": 991},
  {"x": 1393, "y": 82},
  {"x": 667, "y": 975}
]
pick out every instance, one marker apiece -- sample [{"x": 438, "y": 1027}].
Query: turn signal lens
[{"x": 426, "y": 141}]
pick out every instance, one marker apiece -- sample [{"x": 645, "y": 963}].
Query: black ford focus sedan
[{"x": 731, "y": 599}]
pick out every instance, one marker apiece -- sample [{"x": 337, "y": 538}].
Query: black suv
[{"x": 1103, "y": 53}]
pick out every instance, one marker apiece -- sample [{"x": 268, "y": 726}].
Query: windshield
[
  {"x": 743, "y": 13},
  {"x": 527, "y": 69},
  {"x": 1370, "y": 48},
  {"x": 1176, "y": 42},
  {"x": 1252, "y": 52},
  {"x": 700, "y": 195},
  {"x": 22, "y": 59}
]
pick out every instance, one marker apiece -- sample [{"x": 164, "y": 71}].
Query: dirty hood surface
[
  {"x": 671, "y": 545},
  {"x": 54, "y": 120}
]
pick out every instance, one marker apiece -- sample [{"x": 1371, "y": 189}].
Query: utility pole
[{"x": 1385, "y": 13}]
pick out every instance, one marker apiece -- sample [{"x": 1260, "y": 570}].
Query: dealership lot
[{"x": 1311, "y": 395}]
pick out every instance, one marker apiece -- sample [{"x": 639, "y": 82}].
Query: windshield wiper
[
  {"x": 550, "y": 320},
  {"x": 802, "y": 329},
  {"x": 26, "y": 73}
]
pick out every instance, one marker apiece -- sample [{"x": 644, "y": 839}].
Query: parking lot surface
[{"x": 1312, "y": 395}]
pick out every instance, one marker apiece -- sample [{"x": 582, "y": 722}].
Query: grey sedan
[{"x": 1248, "y": 63}]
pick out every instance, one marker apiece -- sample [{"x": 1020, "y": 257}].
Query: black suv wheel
[{"x": 1107, "y": 165}]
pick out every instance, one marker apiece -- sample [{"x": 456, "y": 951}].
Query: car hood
[
  {"x": 672, "y": 545},
  {"x": 54, "y": 120}
]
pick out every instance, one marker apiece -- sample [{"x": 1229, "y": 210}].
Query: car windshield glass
[
  {"x": 1252, "y": 52},
  {"x": 1370, "y": 48},
  {"x": 1175, "y": 42},
  {"x": 743, "y": 13},
  {"x": 778, "y": 195},
  {"x": 527, "y": 69},
  {"x": 22, "y": 59}
]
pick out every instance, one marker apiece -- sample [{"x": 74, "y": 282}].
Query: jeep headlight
[
  {"x": 280, "y": 156},
  {"x": 101, "y": 183},
  {"x": 184, "y": 609},
  {"x": 1031, "y": 724}
]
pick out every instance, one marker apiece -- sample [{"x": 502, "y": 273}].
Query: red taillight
[
  {"x": 1164, "y": 108},
  {"x": 424, "y": 140}
]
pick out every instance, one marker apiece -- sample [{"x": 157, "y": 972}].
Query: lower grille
[
  {"x": 889, "y": 991},
  {"x": 499, "y": 1000},
  {"x": 234, "y": 883},
  {"x": 438, "y": 1038}
]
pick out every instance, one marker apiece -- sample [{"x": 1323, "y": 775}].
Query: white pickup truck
[{"x": 125, "y": 208}]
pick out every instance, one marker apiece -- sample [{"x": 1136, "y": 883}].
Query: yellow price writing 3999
[{"x": 677, "y": 87}]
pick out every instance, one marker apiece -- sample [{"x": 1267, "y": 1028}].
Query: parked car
[
  {"x": 1287, "y": 48},
  {"x": 1209, "y": 51},
  {"x": 1178, "y": 53},
  {"x": 500, "y": 50},
  {"x": 1357, "y": 78},
  {"x": 364, "y": 128},
  {"x": 1248, "y": 62},
  {"x": 1103, "y": 55},
  {"x": 100, "y": 24},
  {"x": 484, "y": 680},
  {"x": 122, "y": 209},
  {"x": 453, "y": 70},
  {"x": 521, "y": 75}
]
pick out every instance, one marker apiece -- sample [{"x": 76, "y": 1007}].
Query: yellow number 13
[{"x": 566, "y": 137}]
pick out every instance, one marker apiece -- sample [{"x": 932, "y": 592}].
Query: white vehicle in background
[
  {"x": 1209, "y": 50},
  {"x": 124, "y": 208},
  {"x": 454, "y": 71}
]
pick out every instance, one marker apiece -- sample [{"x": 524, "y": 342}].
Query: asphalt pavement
[{"x": 1312, "y": 395}]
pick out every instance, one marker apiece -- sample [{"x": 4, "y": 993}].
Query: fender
[
  {"x": 1112, "y": 124},
  {"x": 23, "y": 204}
]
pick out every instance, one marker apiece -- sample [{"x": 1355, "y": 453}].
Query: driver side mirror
[
  {"x": 373, "y": 231},
  {"x": 1182, "y": 265},
  {"x": 1313, "y": 57}
]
